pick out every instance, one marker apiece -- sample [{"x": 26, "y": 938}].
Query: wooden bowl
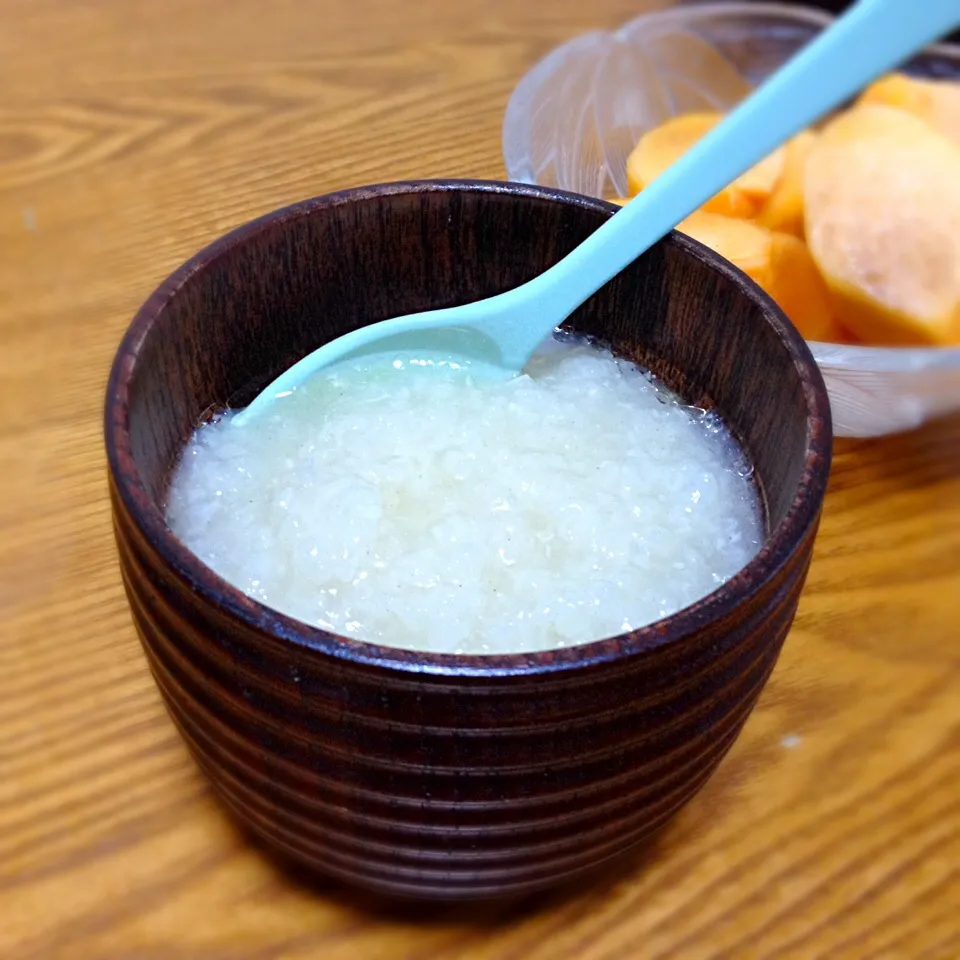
[{"x": 441, "y": 776}]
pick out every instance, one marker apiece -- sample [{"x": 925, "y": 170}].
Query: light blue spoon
[{"x": 501, "y": 333}]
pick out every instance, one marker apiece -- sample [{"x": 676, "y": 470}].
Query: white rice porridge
[{"x": 404, "y": 503}]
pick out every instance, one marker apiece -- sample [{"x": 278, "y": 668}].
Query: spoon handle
[{"x": 874, "y": 36}]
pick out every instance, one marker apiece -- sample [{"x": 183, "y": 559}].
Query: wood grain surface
[{"x": 130, "y": 135}]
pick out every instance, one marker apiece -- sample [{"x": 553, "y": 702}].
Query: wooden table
[{"x": 130, "y": 135}]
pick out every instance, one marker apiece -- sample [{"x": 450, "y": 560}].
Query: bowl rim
[
  {"x": 694, "y": 10},
  {"x": 147, "y": 517}
]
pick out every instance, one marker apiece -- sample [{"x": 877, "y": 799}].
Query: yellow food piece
[
  {"x": 882, "y": 218},
  {"x": 936, "y": 101},
  {"x": 778, "y": 262},
  {"x": 619, "y": 201},
  {"x": 783, "y": 209},
  {"x": 659, "y": 148}
]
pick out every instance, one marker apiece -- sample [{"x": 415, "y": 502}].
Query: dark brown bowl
[{"x": 441, "y": 776}]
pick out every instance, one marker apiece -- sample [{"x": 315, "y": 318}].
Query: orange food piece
[
  {"x": 794, "y": 281},
  {"x": 936, "y": 101},
  {"x": 659, "y": 148},
  {"x": 742, "y": 242},
  {"x": 882, "y": 217},
  {"x": 619, "y": 201},
  {"x": 778, "y": 262},
  {"x": 783, "y": 209},
  {"x": 732, "y": 203}
]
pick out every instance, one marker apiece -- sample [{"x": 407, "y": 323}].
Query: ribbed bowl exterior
[
  {"x": 454, "y": 778},
  {"x": 447, "y": 786}
]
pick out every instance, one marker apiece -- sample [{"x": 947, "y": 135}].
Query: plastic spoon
[{"x": 501, "y": 333}]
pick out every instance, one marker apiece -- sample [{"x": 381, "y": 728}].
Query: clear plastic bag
[{"x": 573, "y": 119}]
